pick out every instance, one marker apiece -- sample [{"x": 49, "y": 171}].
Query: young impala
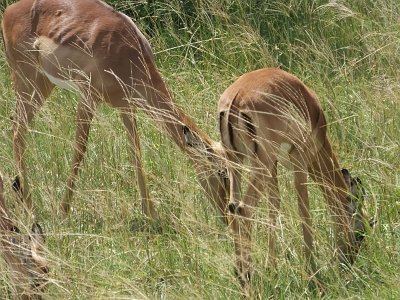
[
  {"x": 268, "y": 116},
  {"x": 87, "y": 46},
  {"x": 23, "y": 255}
]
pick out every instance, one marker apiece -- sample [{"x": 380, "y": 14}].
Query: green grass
[{"x": 347, "y": 51}]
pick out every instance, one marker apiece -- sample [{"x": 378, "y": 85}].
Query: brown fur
[
  {"x": 23, "y": 255},
  {"x": 102, "y": 53},
  {"x": 274, "y": 110}
]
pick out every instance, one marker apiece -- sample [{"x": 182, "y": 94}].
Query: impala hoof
[
  {"x": 235, "y": 209},
  {"x": 244, "y": 281},
  {"x": 232, "y": 207}
]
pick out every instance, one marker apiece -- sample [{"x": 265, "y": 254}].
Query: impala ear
[
  {"x": 16, "y": 185},
  {"x": 191, "y": 139},
  {"x": 346, "y": 176},
  {"x": 188, "y": 135},
  {"x": 357, "y": 182}
]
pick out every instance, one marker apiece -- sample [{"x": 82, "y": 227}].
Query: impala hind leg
[
  {"x": 235, "y": 178},
  {"x": 300, "y": 182},
  {"x": 274, "y": 202},
  {"x": 148, "y": 207},
  {"x": 84, "y": 115},
  {"x": 242, "y": 227},
  {"x": 30, "y": 96}
]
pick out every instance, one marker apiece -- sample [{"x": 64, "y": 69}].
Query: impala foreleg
[
  {"x": 84, "y": 116},
  {"x": 29, "y": 100},
  {"x": 129, "y": 120},
  {"x": 300, "y": 184}
]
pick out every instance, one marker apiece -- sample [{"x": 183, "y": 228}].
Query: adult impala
[
  {"x": 87, "y": 46},
  {"x": 268, "y": 116},
  {"x": 23, "y": 255}
]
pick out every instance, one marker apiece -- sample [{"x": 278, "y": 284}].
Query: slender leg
[
  {"x": 129, "y": 121},
  {"x": 242, "y": 226},
  {"x": 84, "y": 116},
  {"x": 273, "y": 210},
  {"x": 30, "y": 98},
  {"x": 235, "y": 179},
  {"x": 300, "y": 182}
]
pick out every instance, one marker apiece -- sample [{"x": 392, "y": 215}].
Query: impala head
[
  {"x": 210, "y": 165},
  {"x": 23, "y": 254},
  {"x": 359, "y": 220}
]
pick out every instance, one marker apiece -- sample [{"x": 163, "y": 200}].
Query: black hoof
[
  {"x": 244, "y": 278},
  {"x": 232, "y": 207}
]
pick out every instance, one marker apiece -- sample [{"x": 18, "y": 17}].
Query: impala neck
[
  {"x": 172, "y": 119},
  {"x": 335, "y": 177}
]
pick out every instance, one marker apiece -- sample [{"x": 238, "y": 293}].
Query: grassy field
[{"x": 347, "y": 51}]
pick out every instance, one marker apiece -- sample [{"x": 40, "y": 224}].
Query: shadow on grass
[{"x": 142, "y": 224}]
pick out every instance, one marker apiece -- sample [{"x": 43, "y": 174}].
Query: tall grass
[{"x": 347, "y": 51}]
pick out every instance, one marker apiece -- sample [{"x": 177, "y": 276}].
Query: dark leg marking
[{"x": 232, "y": 207}]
